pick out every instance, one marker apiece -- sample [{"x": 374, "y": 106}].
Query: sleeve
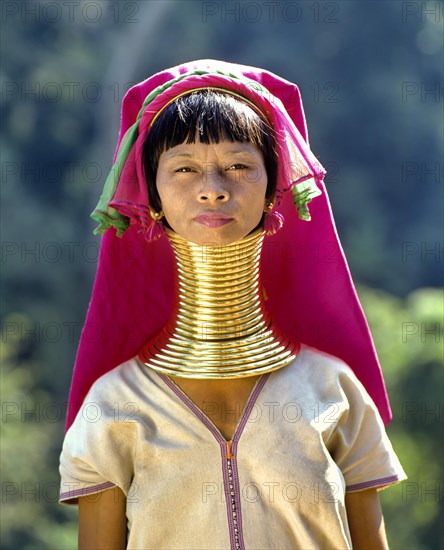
[
  {"x": 359, "y": 444},
  {"x": 98, "y": 450}
]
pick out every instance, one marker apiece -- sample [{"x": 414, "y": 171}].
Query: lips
[{"x": 213, "y": 219}]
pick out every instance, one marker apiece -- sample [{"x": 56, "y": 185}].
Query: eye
[
  {"x": 184, "y": 169},
  {"x": 238, "y": 166}
]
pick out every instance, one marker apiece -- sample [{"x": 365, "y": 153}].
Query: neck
[{"x": 220, "y": 327}]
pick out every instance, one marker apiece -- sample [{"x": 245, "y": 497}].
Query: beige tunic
[{"x": 308, "y": 433}]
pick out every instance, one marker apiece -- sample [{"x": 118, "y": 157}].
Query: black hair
[{"x": 214, "y": 117}]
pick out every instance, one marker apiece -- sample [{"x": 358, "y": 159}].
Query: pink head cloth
[{"x": 310, "y": 292}]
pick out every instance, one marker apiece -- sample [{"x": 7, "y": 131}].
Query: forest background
[{"x": 370, "y": 74}]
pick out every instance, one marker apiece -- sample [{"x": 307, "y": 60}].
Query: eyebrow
[
  {"x": 176, "y": 154},
  {"x": 237, "y": 152},
  {"x": 173, "y": 154}
]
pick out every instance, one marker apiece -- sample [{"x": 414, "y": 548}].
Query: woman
[{"x": 197, "y": 417}]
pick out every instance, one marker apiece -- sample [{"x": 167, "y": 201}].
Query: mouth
[{"x": 213, "y": 219}]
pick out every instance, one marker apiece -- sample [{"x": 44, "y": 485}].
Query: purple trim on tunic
[
  {"x": 223, "y": 446},
  {"x": 246, "y": 413},
  {"x": 191, "y": 405},
  {"x": 234, "y": 444},
  {"x": 237, "y": 493},
  {"x": 86, "y": 491},
  {"x": 382, "y": 482},
  {"x": 204, "y": 418}
]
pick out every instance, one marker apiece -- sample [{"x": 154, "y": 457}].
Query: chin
[
  {"x": 216, "y": 236},
  {"x": 219, "y": 238},
  {"x": 213, "y": 241}
]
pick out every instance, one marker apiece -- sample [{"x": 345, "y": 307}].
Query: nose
[{"x": 214, "y": 187}]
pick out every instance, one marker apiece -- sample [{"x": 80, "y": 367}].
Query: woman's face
[{"x": 212, "y": 194}]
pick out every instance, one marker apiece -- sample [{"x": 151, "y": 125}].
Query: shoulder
[
  {"x": 324, "y": 377},
  {"x": 314, "y": 358},
  {"x": 118, "y": 390},
  {"x": 118, "y": 381},
  {"x": 321, "y": 366}
]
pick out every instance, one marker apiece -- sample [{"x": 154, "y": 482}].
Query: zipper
[{"x": 230, "y": 480}]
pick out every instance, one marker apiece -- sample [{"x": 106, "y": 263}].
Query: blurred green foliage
[
  {"x": 367, "y": 72},
  {"x": 408, "y": 337}
]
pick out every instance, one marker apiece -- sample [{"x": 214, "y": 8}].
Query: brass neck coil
[{"x": 220, "y": 328}]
